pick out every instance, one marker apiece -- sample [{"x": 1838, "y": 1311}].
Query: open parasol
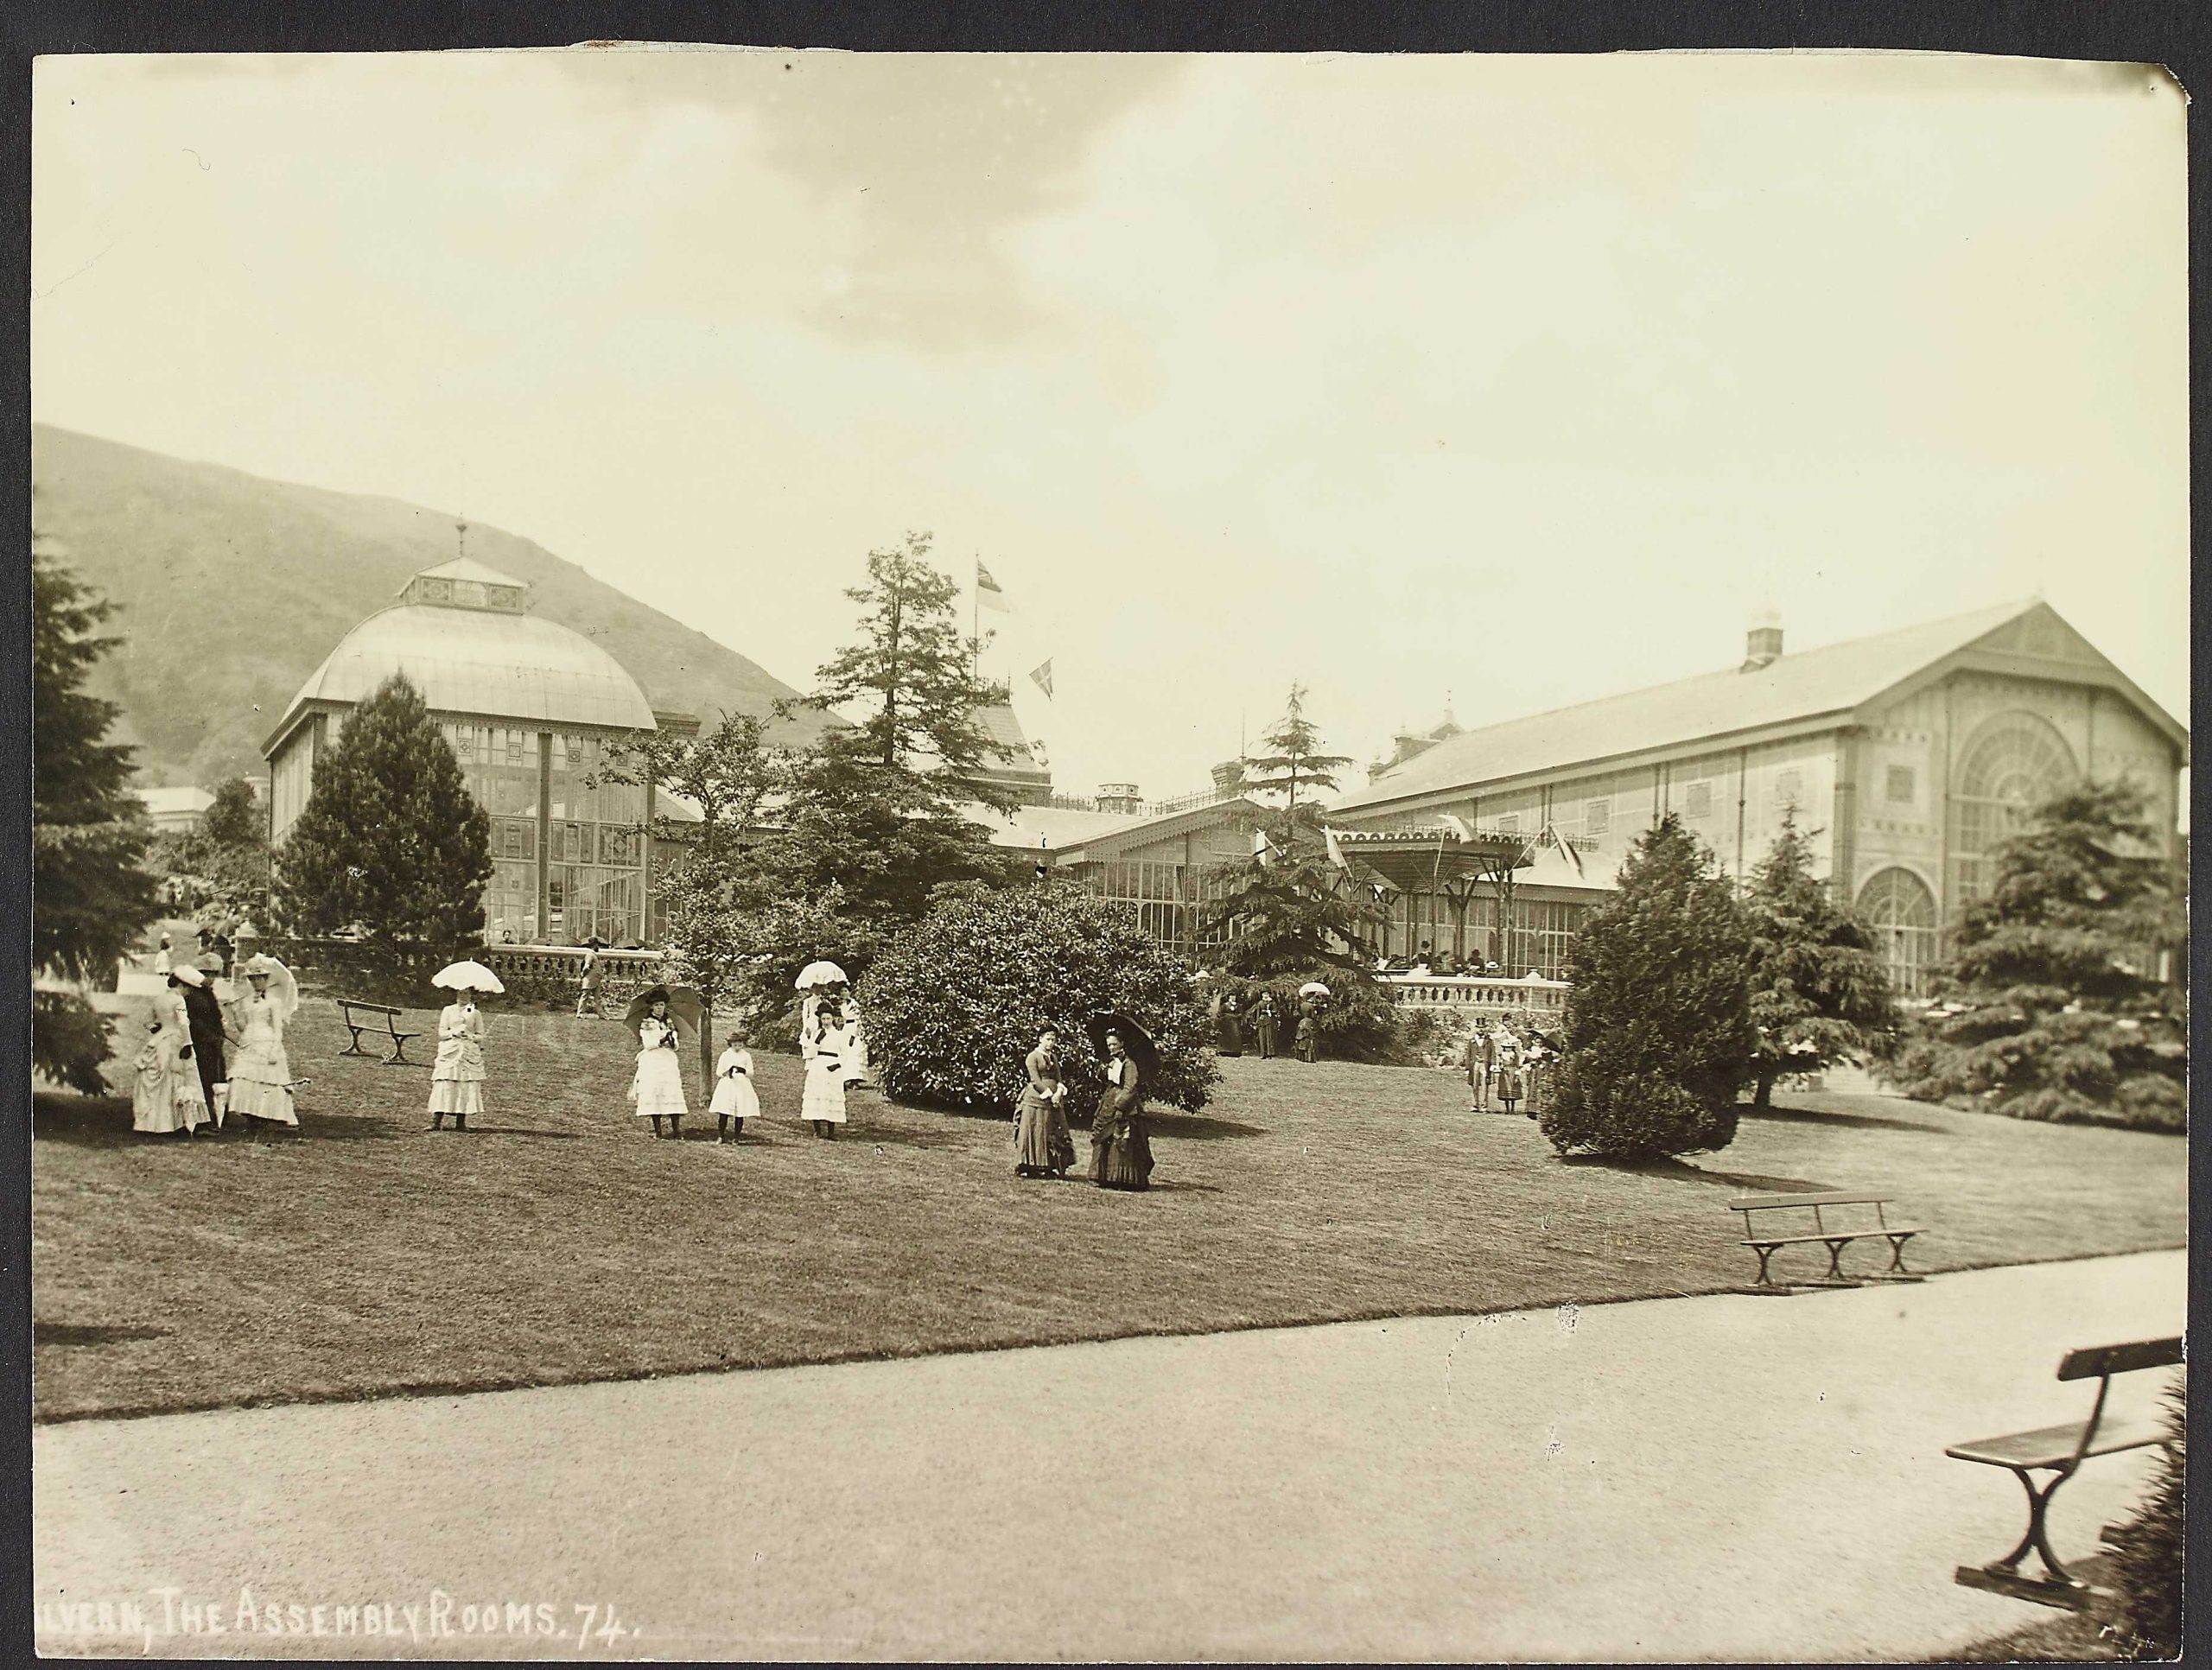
[
  {"x": 467, "y": 976},
  {"x": 1313, "y": 989},
  {"x": 819, "y": 974},
  {"x": 281, "y": 986},
  {"x": 684, "y": 1005},
  {"x": 1135, "y": 1039}
]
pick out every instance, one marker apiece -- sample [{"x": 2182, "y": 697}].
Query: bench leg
[
  {"x": 354, "y": 1048},
  {"x": 398, "y": 1056},
  {"x": 1835, "y": 1246},
  {"x": 2037, "y": 1536},
  {"x": 1896, "y": 1249},
  {"x": 1765, "y": 1253}
]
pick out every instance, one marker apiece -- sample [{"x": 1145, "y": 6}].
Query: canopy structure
[{"x": 1447, "y": 859}]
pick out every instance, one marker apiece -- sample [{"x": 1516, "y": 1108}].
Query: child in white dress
[
  {"x": 735, "y": 1096},
  {"x": 824, "y": 1104}
]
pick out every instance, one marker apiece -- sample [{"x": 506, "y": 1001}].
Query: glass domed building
[{"x": 530, "y": 708}]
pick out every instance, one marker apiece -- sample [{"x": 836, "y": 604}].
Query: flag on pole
[
  {"x": 1042, "y": 677},
  {"x": 1262, "y": 848},
  {"x": 1336, "y": 853},
  {"x": 988, "y": 595},
  {"x": 1456, "y": 826}
]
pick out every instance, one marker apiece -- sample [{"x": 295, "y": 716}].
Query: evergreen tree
[
  {"x": 1290, "y": 909},
  {"x": 1819, "y": 993},
  {"x": 2050, "y": 1008},
  {"x": 91, "y": 895},
  {"x": 713, "y": 894},
  {"x": 876, "y": 809},
  {"x": 1294, "y": 764},
  {"x": 1658, "y": 1034},
  {"x": 391, "y": 838}
]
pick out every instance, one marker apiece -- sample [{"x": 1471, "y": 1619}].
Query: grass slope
[
  {"x": 233, "y": 588},
  {"x": 561, "y": 1243}
]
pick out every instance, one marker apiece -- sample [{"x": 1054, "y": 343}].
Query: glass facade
[
  {"x": 2016, "y": 760},
  {"x": 1542, "y": 938},
  {"x": 1900, "y": 912}
]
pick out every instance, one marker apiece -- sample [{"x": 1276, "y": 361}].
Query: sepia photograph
[{"x": 1030, "y": 856}]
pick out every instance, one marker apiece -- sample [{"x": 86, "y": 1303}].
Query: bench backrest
[
  {"x": 1777, "y": 1202},
  {"x": 2102, "y": 1361},
  {"x": 369, "y": 1008}
]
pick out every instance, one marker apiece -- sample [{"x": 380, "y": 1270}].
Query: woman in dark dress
[
  {"x": 1120, "y": 1144},
  {"x": 1232, "y": 1029},
  {"x": 1042, "y": 1144},
  {"x": 1264, "y": 1025}
]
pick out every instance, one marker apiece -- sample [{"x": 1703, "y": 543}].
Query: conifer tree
[
  {"x": 1659, "y": 1035},
  {"x": 2051, "y": 1008},
  {"x": 391, "y": 838},
  {"x": 1819, "y": 993}
]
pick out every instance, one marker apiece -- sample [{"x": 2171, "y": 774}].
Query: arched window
[
  {"x": 1900, "y": 912},
  {"x": 2016, "y": 759}
]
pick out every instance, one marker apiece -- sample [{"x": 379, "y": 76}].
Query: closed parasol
[
  {"x": 819, "y": 974},
  {"x": 467, "y": 976},
  {"x": 1313, "y": 989},
  {"x": 1134, "y": 1039},
  {"x": 684, "y": 1005}
]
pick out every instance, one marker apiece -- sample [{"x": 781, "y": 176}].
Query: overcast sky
[{"x": 1520, "y": 380}]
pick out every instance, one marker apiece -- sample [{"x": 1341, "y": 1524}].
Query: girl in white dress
[
  {"x": 734, "y": 1097},
  {"x": 824, "y": 1104},
  {"x": 166, "y": 1096},
  {"x": 657, "y": 1087},
  {"x": 261, "y": 1072},
  {"x": 457, "y": 1075},
  {"x": 165, "y": 958},
  {"x": 855, "y": 1046}
]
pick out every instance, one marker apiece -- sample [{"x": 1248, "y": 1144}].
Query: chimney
[
  {"x": 1762, "y": 643},
  {"x": 1228, "y": 777},
  {"x": 1118, "y": 797}
]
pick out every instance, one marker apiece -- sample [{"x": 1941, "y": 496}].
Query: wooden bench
[
  {"x": 2060, "y": 1452},
  {"x": 1805, "y": 1221},
  {"x": 350, "y": 1007}
]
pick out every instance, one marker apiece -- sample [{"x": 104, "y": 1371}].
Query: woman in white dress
[
  {"x": 824, "y": 1104},
  {"x": 165, "y": 957},
  {"x": 735, "y": 1099},
  {"x": 457, "y": 1075},
  {"x": 165, "y": 1096},
  {"x": 657, "y": 1087},
  {"x": 261, "y": 1072}
]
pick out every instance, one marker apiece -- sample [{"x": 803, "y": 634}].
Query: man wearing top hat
[{"x": 203, "y": 1012}]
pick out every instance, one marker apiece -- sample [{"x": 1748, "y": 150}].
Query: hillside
[{"x": 231, "y": 588}]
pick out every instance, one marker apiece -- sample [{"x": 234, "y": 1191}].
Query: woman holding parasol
[
  {"x": 261, "y": 1072},
  {"x": 1121, "y": 1141},
  {"x": 457, "y": 1075},
  {"x": 656, "y": 1088}
]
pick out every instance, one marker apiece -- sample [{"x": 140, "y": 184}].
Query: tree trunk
[
  {"x": 1764, "y": 1096},
  {"x": 706, "y": 1045}
]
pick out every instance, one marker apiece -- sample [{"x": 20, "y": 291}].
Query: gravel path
[{"x": 1710, "y": 1478}]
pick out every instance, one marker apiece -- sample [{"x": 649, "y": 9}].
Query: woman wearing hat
[
  {"x": 166, "y": 1096},
  {"x": 1120, "y": 1144},
  {"x": 1042, "y": 1146},
  {"x": 657, "y": 1087},
  {"x": 261, "y": 1076},
  {"x": 821, "y": 1104},
  {"x": 457, "y": 1075}
]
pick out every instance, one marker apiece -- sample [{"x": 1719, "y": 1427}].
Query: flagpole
[{"x": 975, "y": 625}]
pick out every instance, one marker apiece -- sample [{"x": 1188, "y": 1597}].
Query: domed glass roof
[{"x": 481, "y": 661}]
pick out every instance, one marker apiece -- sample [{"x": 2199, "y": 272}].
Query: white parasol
[
  {"x": 819, "y": 974},
  {"x": 1313, "y": 989},
  {"x": 467, "y": 976},
  {"x": 281, "y": 986}
]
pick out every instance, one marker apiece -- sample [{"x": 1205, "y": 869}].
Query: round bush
[{"x": 957, "y": 999}]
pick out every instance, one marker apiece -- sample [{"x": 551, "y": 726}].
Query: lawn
[{"x": 561, "y": 1243}]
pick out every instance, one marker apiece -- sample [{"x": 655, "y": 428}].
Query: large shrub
[
  {"x": 956, "y": 1002},
  {"x": 1659, "y": 1035},
  {"x": 2147, "y": 1548},
  {"x": 2051, "y": 1008}
]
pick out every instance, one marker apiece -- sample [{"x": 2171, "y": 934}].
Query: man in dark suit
[{"x": 203, "y": 1014}]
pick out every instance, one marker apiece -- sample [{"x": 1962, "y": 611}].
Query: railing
[
  {"x": 1486, "y": 992},
  {"x": 1191, "y": 802},
  {"x": 549, "y": 971}
]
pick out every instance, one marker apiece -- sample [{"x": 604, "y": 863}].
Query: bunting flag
[
  {"x": 1041, "y": 677},
  {"x": 1336, "y": 853},
  {"x": 1456, "y": 828},
  {"x": 1262, "y": 848},
  {"x": 988, "y": 595}
]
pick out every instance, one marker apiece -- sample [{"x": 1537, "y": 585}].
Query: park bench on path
[
  {"x": 349, "y": 1007},
  {"x": 1773, "y": 1221},
  {"x": 2060, "y": 1452}
]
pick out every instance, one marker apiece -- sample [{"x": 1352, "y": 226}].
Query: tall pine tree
[
  {"x": 91, "y": 895},
  {"x": 391, "y": 838},
  {"x": 1819, "y": 993},
  {"x": 2051, "y": 1007},
  {"x": 1659, "y": 1035}
]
